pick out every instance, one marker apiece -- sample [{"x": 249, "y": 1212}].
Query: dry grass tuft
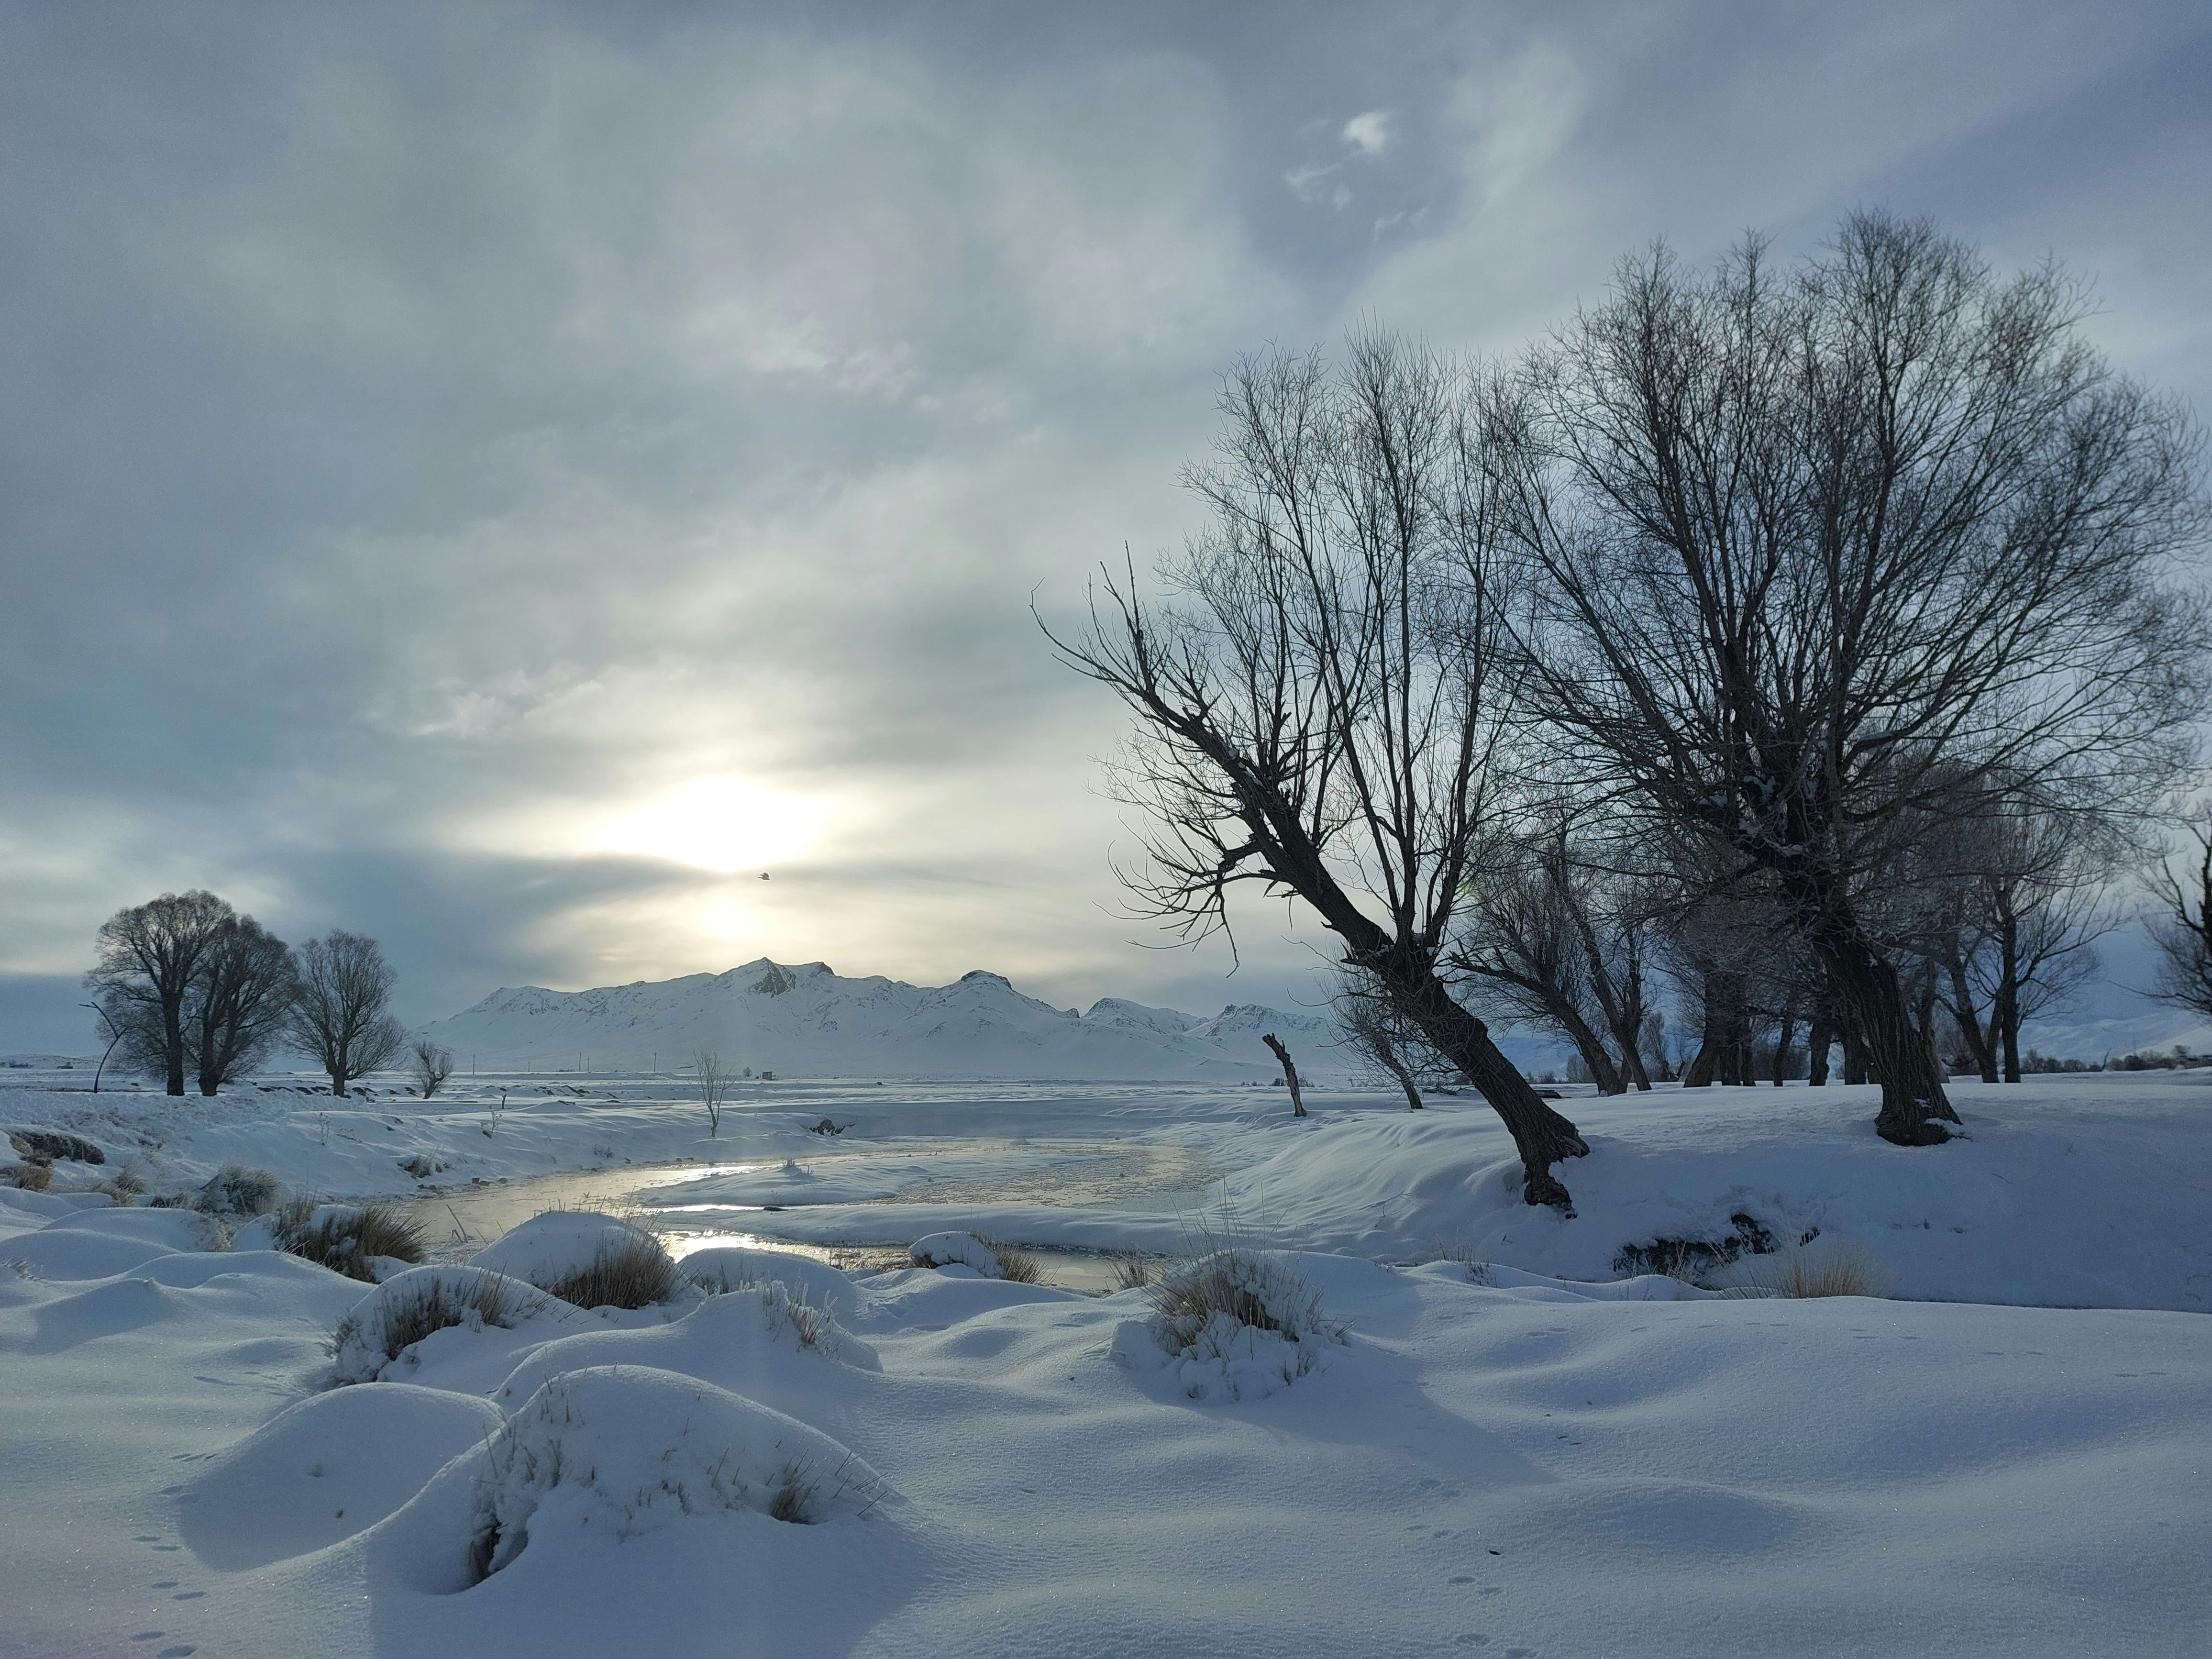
[
  {"x": 794, "y": 1492},
  {"x": 811, "y": 1323},
  {"x": 1019, "y": 1265},
  {"x": 440, "y": 1304},
  {"x": 1132, "y": 1273},
  {"x": 1252, "y": 1290},
  {"x": 344, "y": 1238},
  {"x": 238, "y": 1194},
  {"x": 635, "y": 1274},
  {"x": 1832, "y": 1269},
  {"x": 32, "y": 1177},
  {"x": 124, "y": 1185}
]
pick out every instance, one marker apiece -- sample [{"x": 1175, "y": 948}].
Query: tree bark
[
  {"x": 1913, "y": 1105},
  {"x": 2005, "y": 1015},
  {"x": 1817, "y": 1039},
  {"x": 1290, "y": 1075},
  {"x": 1969, "y": 1024},
  {"x": 1783, "y": 1034}
]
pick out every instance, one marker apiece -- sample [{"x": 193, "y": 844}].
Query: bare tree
[
  {"x": 150, "y": 956},
  {"x": 1530, "y": 948},
  {"x": 339, "y": 1014},
  {"x": 1290, "y": 1075},
  {"x": 1376, "y": 1032},
  {"x": 431, "y": 1066},
  {"x": 239, "y": 1004},
  {"x": 714, "y": 1087},
  {"x": 2180, "y": 922},
  {"x": 1820, "y": 548},
  {"x": 1316, "y": 707}
]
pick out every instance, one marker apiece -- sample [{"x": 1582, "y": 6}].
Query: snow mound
[
  {"x": 745, "y": 1341},
  {"x": 98, "y": 1244},
  {"x": 948, "y": 1250},
  {"x": 411, "y": 1306},
  {"x": 559, "y": 1245},
  {"x": 1234, "y": 1325},
  {"x": 625, "y": 1450},
  {"x": 325, "y": 1468},
  {"x": 732, "y": 1266}
]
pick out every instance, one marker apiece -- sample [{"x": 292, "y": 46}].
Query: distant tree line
[
  {"x": 1814, "y": 640},
  {"x": 190, "y": 988}
]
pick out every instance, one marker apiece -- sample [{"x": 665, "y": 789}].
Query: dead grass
[
  {"x": 1016, "y": 1264},
  {"x": 1802, "y": 1274},
  {"x": 811, "y": 1323},
  {"x": 346, "y": 1238},
  {"x": 32, "y": 1177},
  {"x": 1251, "y": 1289},
  {"x": 439, "y": 1304},
  {"x": 635, "y": 1274},
  {"x": 794, "y": 1492},
  {"x": 124, "y": 1185},
  {"x": 1132, "y": 1273},
  {"x": 237, "y": 1192}
]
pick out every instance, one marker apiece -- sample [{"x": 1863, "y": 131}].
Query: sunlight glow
[{"x": 724, "y": 825}]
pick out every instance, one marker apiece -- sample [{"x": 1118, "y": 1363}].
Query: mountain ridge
[{"x": 804, "y": 1019}]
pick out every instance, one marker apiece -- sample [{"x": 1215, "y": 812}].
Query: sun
[{"x": 724, "y": 825}]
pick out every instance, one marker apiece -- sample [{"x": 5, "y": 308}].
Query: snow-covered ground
[{"x": 1542, "y": 1456}]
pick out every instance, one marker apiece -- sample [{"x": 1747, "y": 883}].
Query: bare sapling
[
  {"x": 1290, "y": 1073},
  {"x": 432, "y": 1064},
  {"x": 714, "y": 1080}
]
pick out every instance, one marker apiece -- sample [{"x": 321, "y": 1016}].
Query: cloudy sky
[{"x": 501, "y": 477}]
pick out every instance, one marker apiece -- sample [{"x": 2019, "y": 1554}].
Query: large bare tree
[
  {"x": 339, "y": 1013},
  {"x": 240, "y": 1002},
  {"x": 2180, "y": 922},
  {"x": 1318, "y": 702},
  {"x": 1821, "y": 547},
  {"x": 151, "y": 957}
]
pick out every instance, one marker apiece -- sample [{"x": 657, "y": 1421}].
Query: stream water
[{"x": 1162, "y": 1177}]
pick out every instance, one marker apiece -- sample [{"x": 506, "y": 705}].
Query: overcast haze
[{"x": 501, "y": 479}]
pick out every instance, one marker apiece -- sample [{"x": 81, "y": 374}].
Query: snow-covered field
[{"x": 2006, "y": 1455}]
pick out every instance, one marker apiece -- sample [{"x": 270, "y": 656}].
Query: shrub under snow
[
  {"x": 1234, "y": 1325},
  {"x": 590, "y": 1259},
  {"x": 237, "y": 1192},
  {"x": 960, "y": 1249},
  {"x": 622, "y": 1451},
  {"x": 403, "y": 1310}
]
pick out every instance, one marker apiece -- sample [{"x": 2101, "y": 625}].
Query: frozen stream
[{"x": 761, "y": 1201}]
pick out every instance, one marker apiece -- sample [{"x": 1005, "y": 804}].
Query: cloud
[
  {"x": 1368, "y": 133},
  {"x": 425, "y": 443}
]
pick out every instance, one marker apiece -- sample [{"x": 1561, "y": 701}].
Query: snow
[
  {"x": 956, "y": 1249},
  {"x": 1512, "y": 1448},
  {"x": 558, "y": 1245},
  {"x": 806, "y": 1020}
]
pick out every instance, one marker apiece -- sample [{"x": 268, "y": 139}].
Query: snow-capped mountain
[{"x": 806, "y": 1021}]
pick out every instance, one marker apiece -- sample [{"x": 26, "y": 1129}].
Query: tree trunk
[
  {"x": 2005, "y": 1016},
  {"x": 1913, "y": 1106},
  {"x": 1721, "y": 1040},
  {"x": 1540, "y": 1135},
  {"x": 1784, "y": 1036},
  {"x": 1387, "y": 1053},
  {"x": 1290, "y": 1075},
  {"x": 1970, "y": 1023},
  {"x": 1817, "y": 1039},
  {"x": 172, "y": 1038}
]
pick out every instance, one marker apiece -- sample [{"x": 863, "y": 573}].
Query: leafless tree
[
  {"x": 2180, "y": 920},
  {"x": 239, "y": 1001},
  {"x": 714, "y": 1087},
  {"x": 1290, "y": 1073},
  {"x": 431, "y": 1066},
  {"x": 1316, "y": 702},
  {"x": 1820, "y": 548},
  {"x": 150, "y": 958},
  {"x": 1376, "y": 1032},
  {"x": 339, "y": 1013}
]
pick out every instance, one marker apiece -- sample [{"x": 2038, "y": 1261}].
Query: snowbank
[
  {"x": 956, "y": 1249},
  {"x": 634, "y": 1450},
  {"x": 374, "y": 1342},
  {"x": 325, "y": 1468}
]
